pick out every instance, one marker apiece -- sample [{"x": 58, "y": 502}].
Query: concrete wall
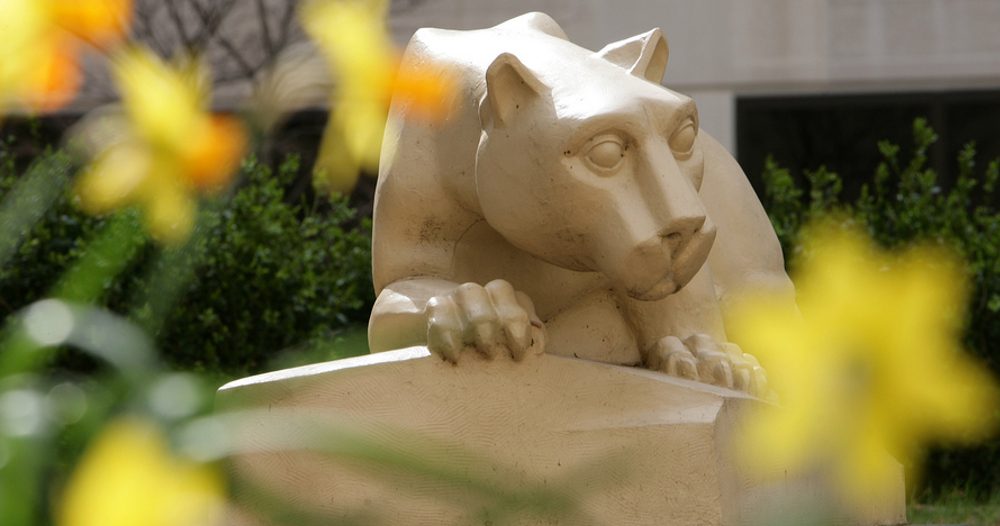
[{"x": 720, "y": 49}]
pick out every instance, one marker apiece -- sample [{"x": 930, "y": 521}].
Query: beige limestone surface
[{"x": 629, "y": 446}]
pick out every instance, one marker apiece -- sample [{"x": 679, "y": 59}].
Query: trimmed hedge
[
  {"x": 263, "y": 273},
  {"x": 901, "y": 202},
  {"x": 271, "y": 271}
]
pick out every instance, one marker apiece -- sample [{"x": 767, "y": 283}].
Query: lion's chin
[{"x": 661, "y": 289}]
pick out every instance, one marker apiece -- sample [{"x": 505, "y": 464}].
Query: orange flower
[
  {"x": 164, "y": 150},
  {"x": 352, "y": 37},
  {"x": 40, "y": 44},
  {"x": 100, "y": 22},
  {"x": 210, "y": 156},
  {"x": 54, "y": 80},
  {"x": 429, "y": 92}
]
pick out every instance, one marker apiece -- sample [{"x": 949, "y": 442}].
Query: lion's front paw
[
  {"x": 701, "y": 358},
  {"x": 494, "y": 319}
]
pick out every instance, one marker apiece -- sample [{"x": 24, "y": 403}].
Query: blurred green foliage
[
  {"x": 904, "y": 201},
  {"x": 956, "y": 508},
  {"x": 270, "y": 280},
  {"x": 263, "y": 273}
]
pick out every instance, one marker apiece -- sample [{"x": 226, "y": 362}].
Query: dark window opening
[{"x": 842, "y": 131}]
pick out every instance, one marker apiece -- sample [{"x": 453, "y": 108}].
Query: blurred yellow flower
[
  {"x": 40, "y": 43},
  {"x": 102, "y": 23},
  {"x": 170, "y": 148},
  {"x": 352, "y": 36},
  {"x": 871, "y": 363},
  {"x": 128, "y": 477}
]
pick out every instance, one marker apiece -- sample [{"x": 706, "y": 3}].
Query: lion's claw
[
  {"x": 672, "y": 357},
  {"x": 494, "y": 319},
  {"x": 701, "y": 358}
]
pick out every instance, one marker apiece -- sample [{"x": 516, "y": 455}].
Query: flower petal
[
  {"x": 163, "y": 103},
  {"x": 169, "y": 210},
  {"x": 101, "y": 22},
  {"x": 213, "y": 153},
  {"x": 113, "y": 179},
  {"x": 128, "y": 477},
  {"x": 54, "y": 77}
]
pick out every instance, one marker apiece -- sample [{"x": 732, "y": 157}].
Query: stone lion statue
[{"x": 569, "y": 205}]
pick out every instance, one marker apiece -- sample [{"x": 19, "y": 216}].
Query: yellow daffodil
[
  {"x": 871, "y": 362},
  {"x": 352, "y": 36},
  {"x": 128, "y": 477},
  {"x": 40, "y": 43},
  {"x": 170, "y": 149}
]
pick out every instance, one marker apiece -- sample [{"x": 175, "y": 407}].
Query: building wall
[{"x": 721, "y": 49}]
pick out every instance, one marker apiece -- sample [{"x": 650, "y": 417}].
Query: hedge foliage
[
  {"x": 266, "y": 271},
  {"x": 262, "y": 273},
  {"x": 904, "y": 201}
]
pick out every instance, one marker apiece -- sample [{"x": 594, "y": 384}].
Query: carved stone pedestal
[{"x": 630, "y": 445}]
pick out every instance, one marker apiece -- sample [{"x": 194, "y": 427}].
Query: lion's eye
[
  {"x": 607, "y": 153},
  {"x": 682, "y": 141}
]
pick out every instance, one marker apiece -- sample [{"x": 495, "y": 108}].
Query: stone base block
[{"x": 632, "y": 447}]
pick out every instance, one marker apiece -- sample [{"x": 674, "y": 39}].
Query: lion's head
[{"x": 598, "y": 175}]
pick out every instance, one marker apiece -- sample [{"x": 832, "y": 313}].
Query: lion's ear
[
  {"x": 509, "y": 86},
  {"x": 643, "y": 55}
]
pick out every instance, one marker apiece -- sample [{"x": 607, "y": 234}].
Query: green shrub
[
  {"x": 260, "y": 274},
  {"x": 904, "y": 201}
]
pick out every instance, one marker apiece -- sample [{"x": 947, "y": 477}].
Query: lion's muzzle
[{"x": 662, "y": 264}]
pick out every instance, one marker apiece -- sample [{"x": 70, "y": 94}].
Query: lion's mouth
[
  {"x": 693, "y": 254},
  {"x": 682, "y": 257}
]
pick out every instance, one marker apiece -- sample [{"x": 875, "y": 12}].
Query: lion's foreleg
[{"x": 447, "y": 317}]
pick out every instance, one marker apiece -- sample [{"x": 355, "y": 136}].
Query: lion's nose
[{"x": 677, "y": 234}]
